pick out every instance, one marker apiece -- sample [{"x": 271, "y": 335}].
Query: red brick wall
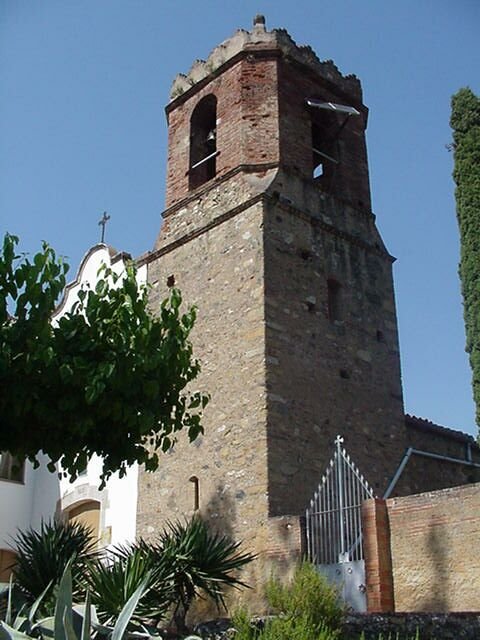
[
  {"x": 262, "y": 118},
  {"x": 247, "y": 121},
  {"x": 378, "y": 561},
  {"x": 434, "y": 550},
  {"x": 351, "y": 180}
]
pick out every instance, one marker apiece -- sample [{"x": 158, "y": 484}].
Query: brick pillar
[{"x": 378, "y": 560}]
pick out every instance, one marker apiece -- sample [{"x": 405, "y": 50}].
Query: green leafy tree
[
  {"x": 108, "y": 378},
  {"x": 465, "y": 122}
]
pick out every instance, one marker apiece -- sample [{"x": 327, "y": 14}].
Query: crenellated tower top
[
  {"x": 261, "y": 105},
  {"x": 244, "y": 42}
]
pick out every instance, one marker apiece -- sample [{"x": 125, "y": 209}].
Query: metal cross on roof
[{"x": 102, "y": 223}]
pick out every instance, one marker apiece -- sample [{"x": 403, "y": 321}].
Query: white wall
[
  {"x": 118, "y": 501},
  {"x": 43, "y": 494},
  {"x": 15, "y": 507},
  {"x": 23, "y": 505}
]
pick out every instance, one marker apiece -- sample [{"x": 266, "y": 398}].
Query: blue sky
[{"x": 82, "y": 130}]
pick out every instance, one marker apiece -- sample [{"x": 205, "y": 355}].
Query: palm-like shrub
[
  {"x": 191, "y": 561},
  {"x": 43, "y": 555},
  {"x": 202, "y": 562},
  {"x": 113, "y": 581},
  {"x": 187, "y": 561}
]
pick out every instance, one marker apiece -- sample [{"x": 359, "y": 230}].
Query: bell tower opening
[
  {"x": 324, "y": 148},
  {"x": 327, "y": 123},
  {"x": 203, "y": 142}
]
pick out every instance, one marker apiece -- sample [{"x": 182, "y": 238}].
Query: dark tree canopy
[
  {"x": 108, "y": 378},
  {"x": 465, "y": 122}
]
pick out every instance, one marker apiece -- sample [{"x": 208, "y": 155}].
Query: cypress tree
[{"x": 465, "y": 122}]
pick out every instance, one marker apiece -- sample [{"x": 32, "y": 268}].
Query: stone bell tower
[{"x": 268, "y": 230}]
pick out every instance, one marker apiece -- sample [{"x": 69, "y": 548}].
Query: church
[{"x": 268, "y": 231}]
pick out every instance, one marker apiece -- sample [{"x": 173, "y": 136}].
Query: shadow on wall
[
  {"x": 221, "y": 511},
  {"x": 437, "y": 580}
]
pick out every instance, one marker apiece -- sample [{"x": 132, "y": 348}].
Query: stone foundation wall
[
  {"x": 395, "y": 626},
  {"x": 404, "y": 626}
]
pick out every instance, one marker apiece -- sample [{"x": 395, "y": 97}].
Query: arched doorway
[{"x": 88, "y": 514}]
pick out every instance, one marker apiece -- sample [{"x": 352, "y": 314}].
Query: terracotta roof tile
[{"x": 422, "y": 424}]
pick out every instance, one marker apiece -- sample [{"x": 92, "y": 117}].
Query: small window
[
  {"x": 203, "y": 142},
  {"x": 196, "y": 492},
  {"x": 334, "y": 300},
  {"x": 7, "y": 562},
  {"x": 11, "y": 467}
]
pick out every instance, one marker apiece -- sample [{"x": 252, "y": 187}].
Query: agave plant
[
  {"x": 69, "y": 622},
  {"x": 113, "y": 581},
  {"x": 42, "y": 557},
  {"x": 187, "y": 561}
]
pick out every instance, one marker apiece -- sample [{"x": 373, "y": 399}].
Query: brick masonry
[
  {"x": 378, "y": 561},
  {"x": 427, "y": 546}
]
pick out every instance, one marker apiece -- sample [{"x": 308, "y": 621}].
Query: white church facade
[{"x": 28, "y": 495}]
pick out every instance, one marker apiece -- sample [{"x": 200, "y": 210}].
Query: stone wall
[
  {"x": 360, "y": 626},
  {"x": 328, "y": 376},
  {"x": 219, "y": 271},
  {"x": 428, "y": 474},
  {"x": 404, "y": 626},
  {"x": 433, "y": 555}
]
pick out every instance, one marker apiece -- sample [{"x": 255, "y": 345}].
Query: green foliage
[
  {"x": 298, "y": 628},
  {"x": 310, "y": 594},
  {"x": 282, "y": 628},
  {"x": 307, "y": 608},
  {"x": 69, "y": 622},
  {"x": 113, "y": 583},
  {"x": 25, "y": 621},
  {"x": 196, "y": 562},
  {"x": 201, "y": 560},
  {"x": 245, "y": 629},
  {"x": 108, "y": 378},
  {"x": 395, "y": 636},
  {"x": 465, "y": 122},
  {"x": 188, "y": 561},
  {"x": 43, "y": 555}
]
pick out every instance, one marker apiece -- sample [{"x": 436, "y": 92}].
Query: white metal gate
[{"x": 334, "y": 527}]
